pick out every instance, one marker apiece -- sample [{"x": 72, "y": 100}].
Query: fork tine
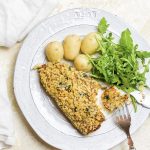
[
  {"x": 124, "y": 113},
  {"x": 127, "y": 109},
  {"x": 128, "y": 114},
  {"x": 116, "y": 115},
  {"x": 120, "y": 114}
]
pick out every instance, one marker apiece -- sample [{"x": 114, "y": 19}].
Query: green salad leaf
[
  {"x": 118, "y": 63},
  {"x": 133, "y": 100},
  {"x": 143, "y": 54},
  {"x": 126, "y": 41},
  {"x": 102, "y": 26}
]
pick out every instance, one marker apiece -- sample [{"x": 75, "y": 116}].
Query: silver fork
[{"x": 123, "y": 120}]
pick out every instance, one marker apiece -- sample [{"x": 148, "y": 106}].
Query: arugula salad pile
[{"x": 118, "y": 63}]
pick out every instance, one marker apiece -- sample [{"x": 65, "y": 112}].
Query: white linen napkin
[
  {"x": 18, "y": 17},
  {"x": 6, "y": 123}
]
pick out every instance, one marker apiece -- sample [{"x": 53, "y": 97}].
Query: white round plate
[{"x": 37, "y": 107}]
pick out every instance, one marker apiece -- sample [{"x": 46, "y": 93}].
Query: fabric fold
[
  {"x": 6, "y": 122},
  {"x": 18, "y": 17}
]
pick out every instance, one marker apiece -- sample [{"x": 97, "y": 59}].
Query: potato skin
[
  {"x": 71, "y": 46},
  {"x": 54, "y": 51},
  {"x": 82, "y": 63},
  {"x": 89, "y": 44}
]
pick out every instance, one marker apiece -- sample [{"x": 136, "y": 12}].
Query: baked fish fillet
[{"x": 74, "y": 93}]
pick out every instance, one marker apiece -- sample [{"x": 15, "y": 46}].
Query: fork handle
[{"x": 130, "y": 143}]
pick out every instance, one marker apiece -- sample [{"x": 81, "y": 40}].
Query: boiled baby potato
[
  {"x": 82, "y": 63},
  {"x": 71, "y": 46},
  {"x": 54, "y": 51},
  {"x": 89, "y": 44}
]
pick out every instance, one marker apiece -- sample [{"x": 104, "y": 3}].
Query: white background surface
[{"x": 135, "y": 13}]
